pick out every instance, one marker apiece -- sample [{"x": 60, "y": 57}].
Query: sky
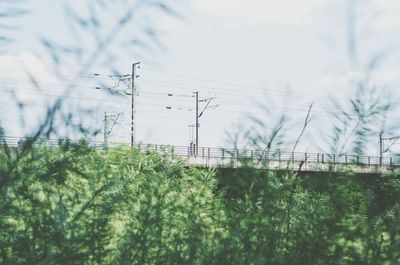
[{"x": 245, "y": 53}]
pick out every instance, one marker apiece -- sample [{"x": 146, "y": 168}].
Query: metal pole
[
  {"x": 133, "y": 103},
  {"x": 105, "y": 128},
  {"x": 197, "y": 122},
  {"x": 380, "y": 148}
]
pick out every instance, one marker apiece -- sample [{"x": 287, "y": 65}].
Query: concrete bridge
[
  {"x": 235, "y": 158},
  {"x": 279, "y": 160}
]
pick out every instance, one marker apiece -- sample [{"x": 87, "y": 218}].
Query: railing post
[
  {"x": 317, "y": 158},
  {"x": 223, "y": 153},
  {"x": 188, "y": 151},
  {"x": 208, "y": 152},
  {"x": 391, "y": 162},
  {"x": 202, "y": 149},
  {"x": 334, "y": 159},
  {"x": 305, "y": 161},
  {"x": 237, "y": 157},
  {"x": 322, "y": 157},
  {"x": 252, "y": 157},
  {"x": 279, "y": 156},
  {"x": 358, "y": 160},
  {"x": 345, "y": 158},
  {"x": 369, "y": 160}
]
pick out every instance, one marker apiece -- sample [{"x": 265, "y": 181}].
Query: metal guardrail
[
  {"x": 12, "y": 141},
  {"x": 230, "y": 154},
  {"x": 280, "y": 156}
]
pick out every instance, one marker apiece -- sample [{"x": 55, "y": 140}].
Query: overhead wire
[
  {"x": 232, "y": 97},
  {"x": 238, "y": 93},
  {"x": 326, "y": 107},
  {"x": 241, "y": 95},
  {"x": 164, "y": 105},
  {"x": 213, "y": 88}
]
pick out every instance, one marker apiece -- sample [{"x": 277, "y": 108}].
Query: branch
[{"x": 306, "y": 122}]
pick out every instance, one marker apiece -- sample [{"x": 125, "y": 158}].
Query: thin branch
[{"x": 306, "y": 122}]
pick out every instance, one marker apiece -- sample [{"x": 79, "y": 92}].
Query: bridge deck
[{"x": 223, "y": 157}]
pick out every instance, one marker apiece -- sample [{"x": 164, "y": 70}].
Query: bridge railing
[
  {"x": 232, "y": 154},
  {"x": 281, "y": 156},
  {"x": 13, "y": 141}
]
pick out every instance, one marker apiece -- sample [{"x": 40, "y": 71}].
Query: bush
[{"x": 71, "y": 204}]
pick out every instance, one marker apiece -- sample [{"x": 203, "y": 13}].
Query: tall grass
[{"x": 75, "y": 205}]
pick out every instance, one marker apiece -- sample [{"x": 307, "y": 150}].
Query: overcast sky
[{"x": 284, "y": 53}]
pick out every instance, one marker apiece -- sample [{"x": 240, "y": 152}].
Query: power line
[
  {"x": 240, "y": 95},
  {"x": 292, "y": 111},
  {"x": 234, "y": 100},
  {"x": 274, "y": 104},
  {"x": 63, "y": 96},
  {"x": 185, "y": 76},
  {"x": 262, "y": 89},
  {"x": 259, "y": 90},
  {"x": 230, "y": 90}
]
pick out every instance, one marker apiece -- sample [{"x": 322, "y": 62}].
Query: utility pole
[
  {"x": 195, "y": 142},
  {"x": 197, "y": 123},
  {"x": 129, "y": 81},
  {"x": 133, "y": 133},
  {"x": 105, "y": 128},
  {"x": 198, "y": 115},
  {"x": 380, "y": 148}
]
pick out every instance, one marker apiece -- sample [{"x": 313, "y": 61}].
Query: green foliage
[{"x": 71, "y": 204}]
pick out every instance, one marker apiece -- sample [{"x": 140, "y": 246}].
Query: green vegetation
[{"x": 75, "y": 205}]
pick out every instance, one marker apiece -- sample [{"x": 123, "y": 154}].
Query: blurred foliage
[
  {"x": 107, "y": 31},
  {"x": 10, "y": 10},
  {"x": 362, "y": 122},
  {"x": 72, "y": 204},
  {"x": 260, "y": 132}
]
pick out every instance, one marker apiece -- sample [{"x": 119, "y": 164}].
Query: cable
[
  {"x": 64, "y": 97},
  {"x": 230, "y": 90},
  {"x": 149, "y": 94},
  {"x": 182, "y": 107},
  {"x": 213, "y": 88},
  {"x": 260, "y": 91},
  {"x": 241, "y": 95}
]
